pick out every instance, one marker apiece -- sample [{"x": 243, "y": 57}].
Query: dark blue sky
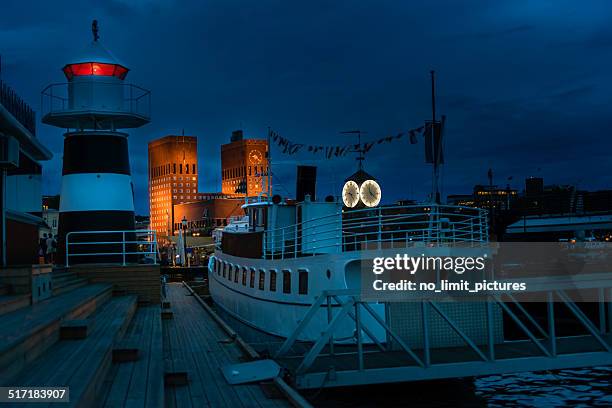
[{"x": 524, "y": 84}]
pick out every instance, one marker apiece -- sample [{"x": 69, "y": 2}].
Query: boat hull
[{"x": 278, "y": 313}]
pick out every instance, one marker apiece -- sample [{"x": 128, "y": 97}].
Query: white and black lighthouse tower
[{"x": 97, "y": 192}]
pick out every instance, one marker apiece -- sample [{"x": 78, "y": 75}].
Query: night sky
[{"x": 525, "y": 84}]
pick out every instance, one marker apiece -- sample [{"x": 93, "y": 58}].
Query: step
[
  {"x": 75, "y": 329},
  {"x": 68, "y": 286},
  {"x": 138, "y": 382},
  {"x": 64, "y": 277},
  {"x": 83, "y": 365},
  {"x": 10, "y": 303},
  {"x": 27, "y": 333}
]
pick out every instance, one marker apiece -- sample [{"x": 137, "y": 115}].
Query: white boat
[{"x": 269, "y": 274}]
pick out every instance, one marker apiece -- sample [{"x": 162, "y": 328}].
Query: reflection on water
[{"x": 589, "y": 387}]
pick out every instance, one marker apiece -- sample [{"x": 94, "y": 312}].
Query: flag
[
  {"x": 433, "y": 143},
  {"x": 413, "y": 138}
]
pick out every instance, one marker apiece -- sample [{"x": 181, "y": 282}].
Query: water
[
  {"x": 589, "y": 387},
  {"x": 565, "y": 388}
]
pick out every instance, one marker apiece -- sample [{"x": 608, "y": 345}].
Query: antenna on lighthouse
[{"x": 94, "y": 30}]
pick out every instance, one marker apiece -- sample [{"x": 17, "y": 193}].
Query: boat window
[
  {"x": 236, "y": 273},
  {"x": 252, "y": 280},
  {"x": 229, "y": 272},
  {"x": 224, "y": 268},
  {"x": 262, "y": 279},
  {"x": 303, "y": 280},
  {"x": 272, "y": 280},
  {"x": 219, "y": 268},
  {"x": 244, "y": 276},
  {"x": 286, "y": 281}
]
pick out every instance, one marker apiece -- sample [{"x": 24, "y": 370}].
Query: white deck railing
[{"x": 375, "y": 227}]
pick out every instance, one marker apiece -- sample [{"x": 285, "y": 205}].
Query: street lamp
[{"x": 184, "y": 223}]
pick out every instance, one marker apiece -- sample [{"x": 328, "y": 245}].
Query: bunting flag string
[{"x": 291, "y": 148}]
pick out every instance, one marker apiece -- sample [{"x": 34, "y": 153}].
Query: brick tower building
[
  {"x": 173, "y": 178},
  {"x": 244, "y": 166}
]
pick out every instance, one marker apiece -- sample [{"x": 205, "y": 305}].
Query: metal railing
[
  {"x": 92, "y": 96},
  {"x": 13, "y": 103},
  {"x": 542, "y": 348},
  {"x": 132, "y": 243},
  {"x": 375, "y": 227}
]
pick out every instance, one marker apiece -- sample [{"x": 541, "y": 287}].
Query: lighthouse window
[
  {"x": 286, "y": 281},
  {"x": 272, "y": 281},
  {"x": 236, "y": 273},
  {"x": 181, "y": 168},
  {"x": 252, "y": 280},
  {"x": 174, "y": 169},
  {"x": 224, "y": 268},
  {"x": 193, "y": 169},
  {"x": 262, "y": 279},
  {"x": 229, "y": 272},
  {"x": 303, "y": 282},
  {"x": 244, "y": 276}
]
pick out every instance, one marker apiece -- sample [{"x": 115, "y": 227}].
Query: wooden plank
[
  {"x": 155, "y": 388},
  {"x": 203, "y": 339},
  {"x": 122, "y": 377},
  {"x": 136, "y": 395},
  {"x": 85, "y": 384}
]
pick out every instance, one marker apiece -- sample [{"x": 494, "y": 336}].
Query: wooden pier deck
[
  {"x": 140, "y": 382},
  {"x": 194, "y": 343}
]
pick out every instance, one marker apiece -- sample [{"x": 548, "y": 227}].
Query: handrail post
[
  {"x": 358, "y": 330},
  {"x": 330, "y": 316},
  {"x": 425, "y": 328},
  {"x": 379, "y": 227},
  {"x": 123, "y": 246}
]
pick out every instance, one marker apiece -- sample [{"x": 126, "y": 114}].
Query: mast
[
  {"x": 361, "y": 149},
  {"x": 437, "y": 151}
]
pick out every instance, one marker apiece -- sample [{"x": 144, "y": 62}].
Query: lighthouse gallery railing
[
  {"x": 374, "y": 227},
  {"x": 134, "y": 99}
]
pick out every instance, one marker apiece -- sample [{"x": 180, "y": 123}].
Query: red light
[{"x": 95, "y": 68}]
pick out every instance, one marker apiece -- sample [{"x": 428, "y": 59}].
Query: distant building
[
  {"x": 142, "y": 222},
  {"x": 494, "y": 198},
  {"x": 203, "y": 216},
  {"x": 50, "y": 213},
  {"x": 173, "y": 178},
  {"x": 20, "y": 180},
  {"x": 244, "y": 166},
  {"x": 486, "y": 197},
  {"x": 534, "y": 186},
  {"x": 466, "y": 200}
]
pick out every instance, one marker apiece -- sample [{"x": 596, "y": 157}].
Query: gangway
[{"x": 327, "y": 363}]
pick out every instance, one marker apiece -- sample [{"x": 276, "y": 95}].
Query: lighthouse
[{"x": 97, "y": 193}]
